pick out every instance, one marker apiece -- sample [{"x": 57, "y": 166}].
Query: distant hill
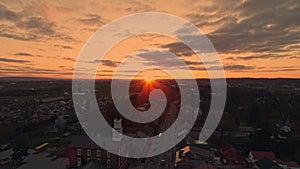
[{"x": 22, "y": 79}]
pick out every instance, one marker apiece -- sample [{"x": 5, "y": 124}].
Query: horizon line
[{"x": 108, "y": 79}]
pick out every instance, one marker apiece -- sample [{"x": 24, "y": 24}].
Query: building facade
[
  {"x": 80, "y": 155},
  {"x": 83, "y": 150}
]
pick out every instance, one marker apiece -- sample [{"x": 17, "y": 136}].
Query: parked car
[{"x": 53, "y": 158}]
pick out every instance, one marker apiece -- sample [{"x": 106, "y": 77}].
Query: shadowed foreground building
[{"x": 83, "y": 150}]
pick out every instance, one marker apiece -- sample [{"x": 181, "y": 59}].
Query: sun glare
[{"x": 149, "y": 79}]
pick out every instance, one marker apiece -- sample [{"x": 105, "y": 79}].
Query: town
[{"x": 260, "y": 127}]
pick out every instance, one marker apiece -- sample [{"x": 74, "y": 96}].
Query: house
[
  {"x": 202, "y": 152},
  {"x": 288, "y": 164},
  {"x": 228, "y": 153},
  {"x": 194, "y": 155},
  {"x": 266, "y": 163},
  {"x": 258, "y": 155}
]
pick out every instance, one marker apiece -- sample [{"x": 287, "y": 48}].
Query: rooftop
[
  {"x": 266, "y": 163},
  {"x": 257, "y": 155}
]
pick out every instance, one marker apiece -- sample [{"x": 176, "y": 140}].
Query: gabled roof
[
  {"x": 257, "y": 155},
  {"x": 228, "y": 152},
  {"x": 288, "y": 163},
  {"x": 83, "y": 142},
  {"x": 292, "y": 164}
]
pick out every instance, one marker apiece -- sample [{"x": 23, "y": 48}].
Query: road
[{"x": 168, "y": 156}]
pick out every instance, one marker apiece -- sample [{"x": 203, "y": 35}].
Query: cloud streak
[
  {"x": 23, "y": 54},
  {"x": 13, "y": 60},
  {"x": 92, "y": 19}
]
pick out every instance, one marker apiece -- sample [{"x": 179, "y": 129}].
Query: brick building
[{"x": 83, "y": 150}]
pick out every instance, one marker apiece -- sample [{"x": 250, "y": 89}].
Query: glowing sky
[{"x": 254, "y": 38}]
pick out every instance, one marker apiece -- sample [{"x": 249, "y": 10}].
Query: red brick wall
[{"x": 72, "y": 155}]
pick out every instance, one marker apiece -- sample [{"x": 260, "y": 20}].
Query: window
[
  {"x": 89, "y": 152},
  {"x": 79, "y": 152},
  {"x": 88, "y": 160},
  {"x": 119, "y": 161},
  {"x": 99, "y": 161},
  {"x": 78, "y": 162},
  {"x": 108, "y": 155},
  {"x": 108, "y": 164},
  {"x": 98, "y": 153}
]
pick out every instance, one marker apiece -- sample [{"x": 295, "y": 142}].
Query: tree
[
  {"x": 19, "y": 155},
  {"x": 253, "y": 114}
]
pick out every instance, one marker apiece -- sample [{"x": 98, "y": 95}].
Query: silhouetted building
[{"x": 83, "y": 150}]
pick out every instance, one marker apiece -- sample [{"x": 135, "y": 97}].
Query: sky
[{"x": 253, "y": 38}]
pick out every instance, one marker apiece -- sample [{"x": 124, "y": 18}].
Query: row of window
[
  {"x": 89, "y": 153},
  {"x": 108, "y": 163}
]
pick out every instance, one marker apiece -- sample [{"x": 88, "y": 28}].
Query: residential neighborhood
[{"x": 43, "y": 131}]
